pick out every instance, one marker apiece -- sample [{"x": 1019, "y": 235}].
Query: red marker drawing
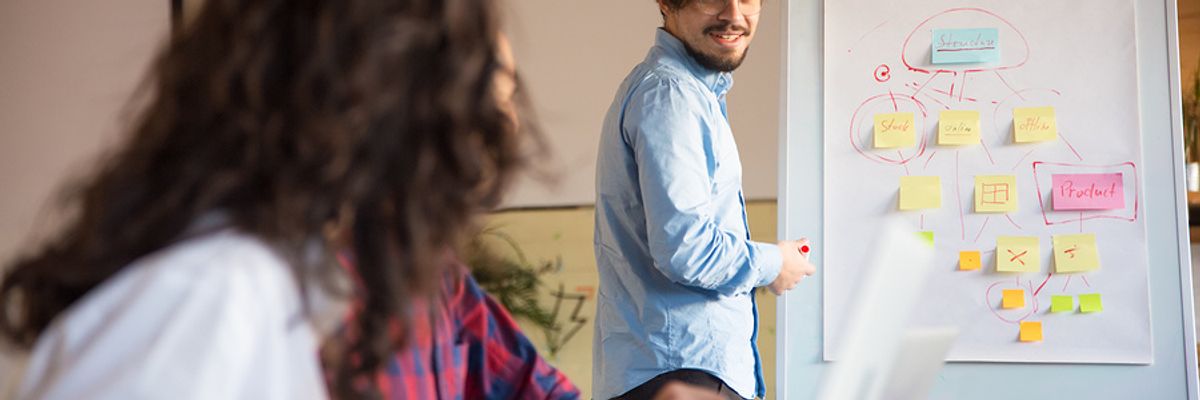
[{"x": 804, "y": 249}]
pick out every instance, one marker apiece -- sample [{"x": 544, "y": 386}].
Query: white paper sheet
[{"x": 1079, "y": 59}]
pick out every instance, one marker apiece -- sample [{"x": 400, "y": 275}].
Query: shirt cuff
[{"x": 768, "y": 261}]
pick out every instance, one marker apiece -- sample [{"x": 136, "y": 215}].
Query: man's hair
[
  {"x": 675, "y": 4},
  {"x": 287, "y": 116}
]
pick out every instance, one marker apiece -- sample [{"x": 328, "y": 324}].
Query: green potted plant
[{"x": 512, "y": 280}]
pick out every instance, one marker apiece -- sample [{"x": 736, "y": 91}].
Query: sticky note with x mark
[{"x": 1018, "y": 254}]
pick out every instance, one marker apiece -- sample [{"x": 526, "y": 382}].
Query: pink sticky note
[{"x": 1088, "y": 191}]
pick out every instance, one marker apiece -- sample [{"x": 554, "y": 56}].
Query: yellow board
[
  {"x": 1034, "y": 124},
  {"x": 1013, "y": 299},
  {"x": 1031, "y": 331},
  {"x": 969, "y": 260},
  {"x": 995, "y": 193},
  {"x": 958, "y": 127},
  {"x": 1075, "y": 253},
  {"x": 895, "y": 130},
  {"x": 1018, "y": 254},
  {"x": 920, "y": 192}
]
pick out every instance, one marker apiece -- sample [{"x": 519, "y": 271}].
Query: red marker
[{"x": 804, "y": 249}]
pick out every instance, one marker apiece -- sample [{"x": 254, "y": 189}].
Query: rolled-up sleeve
[{"x": 675, "y": 154}]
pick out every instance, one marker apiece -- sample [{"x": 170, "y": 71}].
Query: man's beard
[
  {"x": 720, "y": 64},
  {"x": 713, "y": 62}
]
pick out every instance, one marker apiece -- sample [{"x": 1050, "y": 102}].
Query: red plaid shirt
[{"x": 470, "y": 348}]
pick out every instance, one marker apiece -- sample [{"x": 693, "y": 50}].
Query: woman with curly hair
[{"x": 197, "y": 259}]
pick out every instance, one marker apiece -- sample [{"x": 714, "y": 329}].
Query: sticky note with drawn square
[
  {"x": 895, "y": 130},
  {"x": 995, "y": 193},
  {"x": 920, "y": 192},
  {"x": 1075, "y": 253},
  {"x": 1018, "y": 254}
]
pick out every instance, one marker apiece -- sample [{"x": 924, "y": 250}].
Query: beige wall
[
  {"x": 545, "y": 235},
  {"x": 66, "y": 70},
  {"x": 574, "y": 53}
]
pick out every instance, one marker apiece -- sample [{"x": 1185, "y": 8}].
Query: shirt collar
[{"x": 718, "y": 82}]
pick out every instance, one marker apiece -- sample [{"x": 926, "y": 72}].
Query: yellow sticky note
[
  {"x": 895, "y": 130},
  {"x": 995, "y": 193},
  {"x": 1090, "y": 303},
  {"x": 1075, "y": 253},
  {"x": 1031, "y": 331},
  {"x": 1013, "y": 298},
  {"x": 958, "y": 127},
  {"x": 1018, "y": 254},
  {"x": 969, "y": 260},
  {"x": 1034, "y": 124},
  {"x": 920, "y": 192}
]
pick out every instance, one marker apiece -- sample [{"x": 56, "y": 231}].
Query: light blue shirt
[{"x": 677, "y": 267}]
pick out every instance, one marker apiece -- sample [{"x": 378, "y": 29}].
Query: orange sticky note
[
  {"x": 969, "y": 260},
  {"x": 1031, "y": 331},
  {"x": 1013, "y": 298}
]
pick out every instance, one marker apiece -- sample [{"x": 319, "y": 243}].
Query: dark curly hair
[{"x": 290, "y": 116}]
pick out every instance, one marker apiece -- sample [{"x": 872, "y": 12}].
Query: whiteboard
[
  {"x": 803, "y": 213},
  {"x": 877, "y": 61}
]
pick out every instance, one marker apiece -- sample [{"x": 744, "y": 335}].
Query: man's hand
[{"x": 795, "y": 266}]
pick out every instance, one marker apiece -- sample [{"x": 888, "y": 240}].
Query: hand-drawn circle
[
  {"x": 892, "y": 101},
  {"x": 968, "y": 14},
  {"x": 883, "y": 73},
  {"x": 1033, "y": 307}
]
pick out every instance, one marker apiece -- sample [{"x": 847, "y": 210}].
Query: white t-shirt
[{"x": 214, "y": 317}]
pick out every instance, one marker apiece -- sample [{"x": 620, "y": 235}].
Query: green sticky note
[
  {"x": 927, "y": 236},
  {"x": 1062, "y": 304},
  {"x": 1090, "y": 303}
]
